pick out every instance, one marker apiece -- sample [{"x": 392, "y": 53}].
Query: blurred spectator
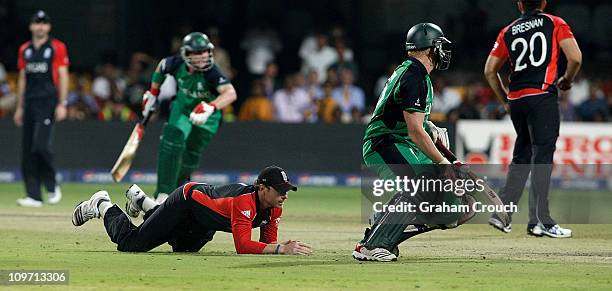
[
  {"x": 292, "y": 104},
  {"x": 257, "y": 106},
  {"x": 595, "y": 107},
  {"x": 468, "y": 108},
  {"x": 350, "y": 98},
  {"x": 270, "y": 79},
  {"x": 329, "y": 112},
  {"x": 116, "y": 111},
  {"x": 261, "y": 44},
  {"x": 136, "y": 86},
  {"x": 105, "y": 87},
  {"x": 8, "y": 100},
  {"x": 580, "y": 90},
  {"x": 81, "y": 104},
  {"x": 567, "y": 112},
  {"x": 222, "y": 57},
  {"x": 332, "y": 77},
  {"x": 312, "y": 86},
  {"x": 345, "y": 59},
  {"x": 445, "y": 97},
  {"x": 382, "y": 80},
  {"x": 319, "y": 57}
]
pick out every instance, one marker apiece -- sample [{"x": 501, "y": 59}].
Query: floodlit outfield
[{"x": 471, "y": 257}]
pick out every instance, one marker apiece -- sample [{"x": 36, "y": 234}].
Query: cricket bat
[
  {"x": 489, "y": 193},
  {"x": 124, "y": 162}
]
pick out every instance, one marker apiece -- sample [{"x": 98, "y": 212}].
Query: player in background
[
  {"x": 191, "y": 215},
  {"x": 399, "y": 141},
  {"x": 42, "y": 91},
  {"x": 195, "y": 116},
  {"x": 532, "y": 44}
]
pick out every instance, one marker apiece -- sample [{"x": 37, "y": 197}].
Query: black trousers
[
  {"x": 172, "y": 222},
  {"x": 536, "y": 121},
  {"x": 36, "y": 157}
]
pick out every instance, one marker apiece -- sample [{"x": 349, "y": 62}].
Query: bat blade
[
  {"x": 490, "y": 194},
  {"x": 124, "y": 162}
]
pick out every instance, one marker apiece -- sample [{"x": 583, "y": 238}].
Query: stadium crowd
[{"x": 324, "y": 89}]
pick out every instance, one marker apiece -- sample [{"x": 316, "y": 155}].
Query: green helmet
[
  {"x": 426, "y": 35},
  {"x": 197, "y": 43}
]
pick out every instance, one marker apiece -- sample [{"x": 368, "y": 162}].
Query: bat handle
[
  {"x": 146, "y": 117},
  {"x": 445, "y": 152}
]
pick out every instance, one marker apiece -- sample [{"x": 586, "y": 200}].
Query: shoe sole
[
  {"x": 76, "y": 207},
  {"x": 531, "y": 233},
  {"x": 361, "y": 257},
  {"x": 552, "y": 235},
  {"x": 127, "y": 210}
]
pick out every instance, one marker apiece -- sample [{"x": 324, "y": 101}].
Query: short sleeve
[
  {"x": 563, "y": 29},
  {"x": 500, "y": 49},
  {"x": 21, "y": 58},
  {"x": 413, "y": 91},
  {"x": 215, "y": 78},
  {"x": 60, "y": 56}
]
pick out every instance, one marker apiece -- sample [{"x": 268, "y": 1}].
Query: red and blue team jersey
[
  {"x": 41, "y": 67},
  {"x": 531, "y": 43},
  {"x": 235, "y": 208}
]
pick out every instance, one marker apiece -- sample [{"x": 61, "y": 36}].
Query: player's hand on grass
[
  {"x": 149, "y": 101},
  {"x": 564, "y": 84},
  {"x": 18, "y": 117},
  {"x": 60, "y": 112},
  {"x": 295, "y": 247},
  {"x": 201, "y": 113}
]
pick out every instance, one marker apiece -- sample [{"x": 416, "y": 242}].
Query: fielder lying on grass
[{"x": 192, "y": 214}]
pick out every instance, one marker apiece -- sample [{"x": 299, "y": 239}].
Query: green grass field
[{"x": 470, "y": 257}]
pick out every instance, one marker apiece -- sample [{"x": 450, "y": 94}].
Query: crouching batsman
[
  {"x": 400, "y": 141},
  {"x": 191, "y": 215}
]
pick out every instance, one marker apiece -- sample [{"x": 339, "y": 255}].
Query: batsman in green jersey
[
  {"x": 399, "y": 141},
  {"x": 195, "y": 113}
]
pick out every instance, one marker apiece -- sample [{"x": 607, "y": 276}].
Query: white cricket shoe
[
  {"x": 133, "y": 194},
  {"x": 88, "y": 209},
  {"x": 55, "y": 196},
  {"x": 499, "y": 225},
  {"x": 554, "y": 231},
  {"x": 361, "y": 253},
  {"x": 29, "y": 202},
  {"x": 161, "y": 197}
]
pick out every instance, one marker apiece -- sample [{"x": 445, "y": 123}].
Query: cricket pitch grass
[{"x": 470, "y": 257}]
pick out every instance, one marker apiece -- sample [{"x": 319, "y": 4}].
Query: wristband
[
  {"x": 277, "y": 249},
  {"x": 154, "y": 91}
]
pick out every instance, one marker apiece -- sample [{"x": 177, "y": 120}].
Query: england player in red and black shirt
[
  {"x": 42, "y": 89},
  {"x": 532, "y": 44},
  {"x": 191, "y": 215}
]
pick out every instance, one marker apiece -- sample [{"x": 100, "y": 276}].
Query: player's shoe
[
  {"x": 554, "y": 231},
  {"x": 362, "y": 253},
  {"x": 534, "y": 230},
  {"x": 133, "y": 195},
  {"x": 496, "y": 223},
  {"x": 29, "y": 202},
  {"x": 88, "y": 209},
  {"x": 55, "y": 196},
  {"x": 161, "y": 197}
]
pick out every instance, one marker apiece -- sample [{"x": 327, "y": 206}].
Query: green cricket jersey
[{"x": 408, "y": 89}]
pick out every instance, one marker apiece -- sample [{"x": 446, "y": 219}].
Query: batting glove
[
  {"x": 149, "y": 102},
  {"x": 201, "y": 113},
  {"x": 438, "y": 133}
]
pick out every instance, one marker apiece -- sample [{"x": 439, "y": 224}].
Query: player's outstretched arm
[
  {"x": 290, "y": 247},
  {"x": 227, "y": 95}
]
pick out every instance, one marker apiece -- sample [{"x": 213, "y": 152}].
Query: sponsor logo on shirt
[
  {"x": 246, "y": 213},
  {"x": 37, "y": 67}
]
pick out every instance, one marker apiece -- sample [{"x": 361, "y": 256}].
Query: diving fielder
[
  {"x": 397, "y": 142},
  {"x": 191, "y": 215},
  {"x": 195, "y": 113},
  {"x": 532, "y": 44}
]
